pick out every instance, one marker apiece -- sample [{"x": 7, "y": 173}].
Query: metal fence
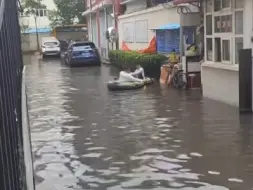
[{"x": 12, "y": 167}]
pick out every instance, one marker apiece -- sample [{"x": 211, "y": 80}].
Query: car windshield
[
  {"x": 50, "y": 43},
  {"x": 83, "y": 46}
]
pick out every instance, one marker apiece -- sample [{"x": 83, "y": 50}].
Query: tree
[
  {"x": 31, "y": 7},
  {"x": 68, "y": 12}
]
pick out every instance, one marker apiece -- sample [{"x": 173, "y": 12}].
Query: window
[
  {"x": 209, "y": 25},
  {"x": 226, "y": 23},
  {"x": 45, "y": 12},
  {"x": 225, "y": 4},
  {"x": 239, "y": 22},
  {"x": 209, "y": 6},
  {"x": 239, "y": 4},
  {"x": 141, "y": 31},
  {"x": 223, "y": 24},
  {"x": 50, "y": 43},
  {"x": 221, "y": 4},
  {"x": 87, "y": 44},
  {"x": 217, "y": 5},
  {"x": 209, "y": 49},
  {"x": 238, "y": 47},
  {"x": 41, "y": 13},
  {"x": 226, "y": 50},
  {"x": 217, "y": 24},
  {"x": 217, "y": 49}
]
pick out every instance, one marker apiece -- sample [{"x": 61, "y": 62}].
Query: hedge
[{"x": 129, "y": 59}]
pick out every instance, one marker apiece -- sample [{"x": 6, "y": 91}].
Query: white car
[{"x": 50, "y": 46}]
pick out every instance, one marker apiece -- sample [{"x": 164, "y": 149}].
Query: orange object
[
  {"x": 124, "y": 47},
  {"x": 164, "y": 76},
  {"x": 150, "y": 49}
]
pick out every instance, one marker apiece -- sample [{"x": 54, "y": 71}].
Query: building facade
[
  {"x": 101, "y": 14},
  {"x": 134, "y": 19},
  {"x": 140, "y": 17},
  {"x": 228, "y": 28}
]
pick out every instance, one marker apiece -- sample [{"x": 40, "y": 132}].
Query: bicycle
[{"x": 179, "y": 80}]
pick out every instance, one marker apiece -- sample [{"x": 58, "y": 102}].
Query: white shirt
[
  {"x": 138, "y": 72},
  {"x": 126, "y": 77}
]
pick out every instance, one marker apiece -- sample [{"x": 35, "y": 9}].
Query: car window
[
  {"x": 50, "y": 43},
  {"x": 87, "y": 44},
  {"x": 81, "y": 48}
]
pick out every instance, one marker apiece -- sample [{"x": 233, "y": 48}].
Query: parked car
[
  {"x": 50, "y": 46},
  {"x": 82, "y": 53}
]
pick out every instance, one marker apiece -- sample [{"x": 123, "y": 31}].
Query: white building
[
  {"x": 140, "y": 17},
  {"x": 228, "y": 28},
  {"x": 42, "y": 16}
]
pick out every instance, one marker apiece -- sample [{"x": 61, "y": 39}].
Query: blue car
[{"x": 82, "y": 54}]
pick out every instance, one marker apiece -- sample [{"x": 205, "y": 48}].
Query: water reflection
[{"x": 85, "y": 137}]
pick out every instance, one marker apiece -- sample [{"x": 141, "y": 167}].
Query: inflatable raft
[{"x": 117, "y": 85}]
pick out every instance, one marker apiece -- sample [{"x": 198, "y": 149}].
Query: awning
[
  {"x": 177, "y": 2},
  {"x": 167, "y": 27}
]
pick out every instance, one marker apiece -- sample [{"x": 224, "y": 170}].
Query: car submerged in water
[{"x": 81, "y": 53}]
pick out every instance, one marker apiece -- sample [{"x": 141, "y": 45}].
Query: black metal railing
[{"x": 12, "y": 167}]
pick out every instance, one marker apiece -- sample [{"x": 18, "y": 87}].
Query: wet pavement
[{"x": 84, "y": 137}]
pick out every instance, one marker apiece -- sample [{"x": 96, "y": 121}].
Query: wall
[
  {"x": 136, "y": 6},
  {"x": 155, "y": 16},
  {"x": 220, "y": 82},
  {"x": 71, "y": 35},
  {"x": 29, "y": 42}
]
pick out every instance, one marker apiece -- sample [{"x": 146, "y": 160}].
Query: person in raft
[
  {"x": 139, "y": 72},
  {"x": 126, "y": 76}
]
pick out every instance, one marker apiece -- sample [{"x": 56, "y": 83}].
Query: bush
[{"x": 129, "y": 59}]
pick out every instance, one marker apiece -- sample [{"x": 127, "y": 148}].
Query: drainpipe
[
  {"x": 91, "y": 27},
  {"x": 116, "y": 13},
  {"x": 106, "y": 27},
  {"x": 98, "y": 27}
]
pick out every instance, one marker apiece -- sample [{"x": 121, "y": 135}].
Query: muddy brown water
[{"x": 84, "y": 137}]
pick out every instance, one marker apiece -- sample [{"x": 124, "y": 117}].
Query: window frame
[{"x": 231, "y": 36}]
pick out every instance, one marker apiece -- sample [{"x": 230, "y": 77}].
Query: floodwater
[{"x": 84, "y": 137}]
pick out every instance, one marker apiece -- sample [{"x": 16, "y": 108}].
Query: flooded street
[{"x": 85, "y": 137}]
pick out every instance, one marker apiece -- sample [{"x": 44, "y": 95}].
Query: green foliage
[
  {"x": 68, "y": 12},
  {"x": 31, "y": 6},
  {"x": 129, "y": 59}
]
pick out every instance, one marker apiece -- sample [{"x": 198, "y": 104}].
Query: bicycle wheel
[{"x": 179, "y": 80}]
